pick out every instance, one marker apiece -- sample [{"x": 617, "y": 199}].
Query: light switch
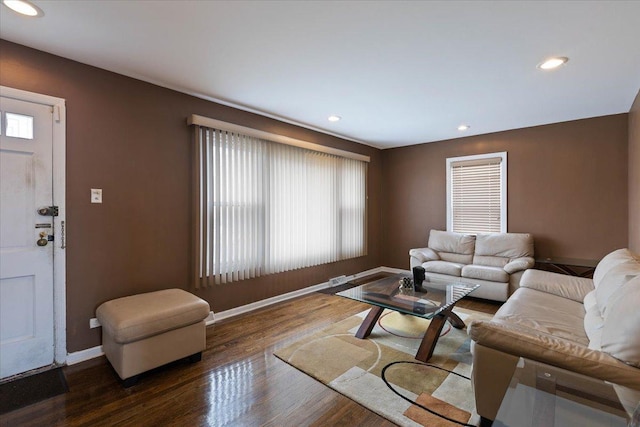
[{"x": 96, "y": 195}]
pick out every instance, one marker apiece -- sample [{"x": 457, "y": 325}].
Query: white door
[{"x": 26, "y": 269}]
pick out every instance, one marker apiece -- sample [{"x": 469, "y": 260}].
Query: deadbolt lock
[{"x": 49, "y": 211}]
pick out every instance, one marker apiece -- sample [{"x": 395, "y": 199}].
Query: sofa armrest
[
  {"x": 519, "y": 264},
  {"x": 424, "y": 254},
  {"x": 571, "y": 287},
  {"x": 528, "y": 343}
]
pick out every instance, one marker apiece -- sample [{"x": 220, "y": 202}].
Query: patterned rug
[{"x": 353, "y": 367}]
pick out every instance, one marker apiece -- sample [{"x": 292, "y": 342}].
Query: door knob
[{"x": 42, "y": 241}]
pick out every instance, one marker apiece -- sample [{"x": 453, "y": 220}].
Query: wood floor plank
[{"x": 238, "y": 382}]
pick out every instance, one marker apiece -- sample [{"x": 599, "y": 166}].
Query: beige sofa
[
  {"x": 587, "y": 326},
  {"x": 495, "y": 261}
]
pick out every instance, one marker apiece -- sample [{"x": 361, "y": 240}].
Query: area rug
[
  {"x": 31, "y": 389},
  {"x": 354, "y": 368}
]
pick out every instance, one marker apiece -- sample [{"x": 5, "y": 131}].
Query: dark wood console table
[{"x": 568, "y": 265}]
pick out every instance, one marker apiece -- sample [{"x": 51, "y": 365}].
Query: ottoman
[{"x": 144, "y": 331}]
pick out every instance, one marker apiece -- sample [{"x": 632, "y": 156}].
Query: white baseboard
[
  {"x": 269, "y": 301},
  {"x": 91, "y": 353},
  {"x": 279, "y": 298},
  {"x": 84, "y": 355},
  {"x": 388, "y": 270},
  {"x": 211, "y": 318}
]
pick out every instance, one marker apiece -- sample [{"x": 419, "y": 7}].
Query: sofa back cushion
[
  {"x": 615, "y": 278},
  {"x": 609, "y": 261},
  {"x": 621, "y": 330},
  {"x": 452, "y": 247},
  {"x": 497, "y": 249},
  {"x": 593, "y": 321}
]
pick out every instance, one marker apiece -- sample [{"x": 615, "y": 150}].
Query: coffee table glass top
[
  {"x": 543, "y": 395},
  {"x": 435, "y": 297}
]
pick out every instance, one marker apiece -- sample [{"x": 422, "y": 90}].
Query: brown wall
[
  {"x": 130, "y": 138},
  {"x": 567, "y": 185},
  {"x": 634, "y": 175}
]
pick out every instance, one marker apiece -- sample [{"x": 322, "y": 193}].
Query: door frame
[{"x": 59, "y": 187}]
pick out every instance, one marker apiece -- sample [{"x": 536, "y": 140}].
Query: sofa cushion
[
  {"x": 617, "y": 276},
  {"x": 590, "y": 300},
  {"x": 593, "y": 320},
  {"x": 454, "y": 247},
  {"x": 593, "y": 323},
  {"x": 519, "y": 264},
  {"x": 482, "y": 272},
  {"x": 621, "y": 330},
  {"x": 545, "y": 313},
  {"x": 424, "y": 254},
  {"x": 562, "y": 285},
  {"x": 495, "y": 291},
  {"x": 457, "y": 258},
  {"x": 609, "y": 261},
  {"x": 507, "y": 245},
  {"x": 490, "y": 261},
  {"x": 443, "y": 267}
]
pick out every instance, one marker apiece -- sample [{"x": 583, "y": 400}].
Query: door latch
[
  {"x": 48, "y": 211},
  {"x": 44, "y": 239}
]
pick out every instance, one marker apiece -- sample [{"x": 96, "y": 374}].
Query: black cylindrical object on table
[{"x": 418, "y": 278}]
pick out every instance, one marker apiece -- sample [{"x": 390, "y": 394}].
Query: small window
[
  {"x": 19, "y": 126},
  {"x": 477, "y": 193}
]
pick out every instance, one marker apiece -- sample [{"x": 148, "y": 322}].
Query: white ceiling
[{"x": 398, "y": 73}]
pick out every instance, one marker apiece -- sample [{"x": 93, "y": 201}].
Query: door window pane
[{"x": 19, "y": 126}]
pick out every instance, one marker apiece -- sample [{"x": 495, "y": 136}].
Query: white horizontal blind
[
  {"x": 476, "y": 195},
  {"x": 265, "y": 207}
]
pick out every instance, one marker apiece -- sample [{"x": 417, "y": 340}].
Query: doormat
[
  {"x": 29, "y": 390},
  {"x": 374, "y": 371}
]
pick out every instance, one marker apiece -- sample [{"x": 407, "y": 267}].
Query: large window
[
  {"x": 266, "y": 207},
  {"x": 477, "y": 193}
]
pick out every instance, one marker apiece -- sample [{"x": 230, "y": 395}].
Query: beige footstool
[{"x": 142, "y": 332}]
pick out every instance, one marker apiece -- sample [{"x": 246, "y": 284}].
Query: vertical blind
[
  {"x": 476, "y": 196},
  {"x": 265, "y": 207}
]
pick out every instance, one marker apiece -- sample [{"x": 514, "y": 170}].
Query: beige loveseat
[
  {"x": 495, "y": 261},
  {"x": 587, "y": 326}
]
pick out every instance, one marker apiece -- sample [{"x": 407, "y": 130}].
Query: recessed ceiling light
[
  {"x": 551, "y": 63},
  {"x": 334, "y": 118},
  {"x": 23, "y": 7},
  {"x": 462, "y": 128}
]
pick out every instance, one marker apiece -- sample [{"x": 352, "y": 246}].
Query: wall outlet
[
  {"x": 93, "y": 323},
  {"x": 96, "y": 195}
]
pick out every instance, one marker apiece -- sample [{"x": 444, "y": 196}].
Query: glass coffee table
[
  {"x": 541, "y": 395},
  {"x": 434, "y": 301}
]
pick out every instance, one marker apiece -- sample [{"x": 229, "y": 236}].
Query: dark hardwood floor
[{"x": 238, "y": 382}]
